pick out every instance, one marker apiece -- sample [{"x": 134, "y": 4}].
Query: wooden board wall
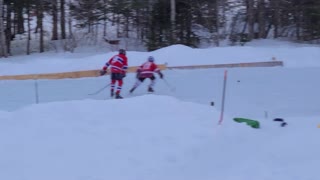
[
  {"x": 64, "y": 75},
  {"x": 95, "y": 73},
  {"x": 234, "y": 65}
]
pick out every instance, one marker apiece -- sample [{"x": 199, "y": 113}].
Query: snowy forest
[{"x": 46, "y": 24}]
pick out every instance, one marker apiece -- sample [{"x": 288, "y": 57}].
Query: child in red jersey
[
  {"x": 118, "y": 66},
  {"x": 146, "y": 71}
]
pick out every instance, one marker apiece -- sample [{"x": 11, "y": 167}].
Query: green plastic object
[{"x": 249, "y": 122}]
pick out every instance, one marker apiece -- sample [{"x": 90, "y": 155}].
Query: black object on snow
[
  {"x": 278, "y": 119},
  {"x": 283, "y": 124}
]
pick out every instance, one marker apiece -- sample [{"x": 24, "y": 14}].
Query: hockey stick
[
  {"x": 169, "y": 86},
  {"x": 101, "y": 89}
]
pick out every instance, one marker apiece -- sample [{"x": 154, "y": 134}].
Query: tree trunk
[
  {"x": 105, "y": 19},
  {"x": 250, "y": 15},
  {"x": 14, "y": 23},
  {"x": 118, "y": 25},
  {"x": 8, "y": 30},
  {"x": 3, "y": 46},
  {"x": 149, "y": 30},
  {"x": 40, "y": 25},
  {"x": 127, "y": 26},
  {"x": 137, "y": 21},
  {"x": 20, "y": 20},
  {"x": 29, "y": 30},
  {"x": 71, "y": 37},
  {"x": 62, "y": 19},
  {"x": 70, "y": 23},
  {"x": 54, "y": 20},
  {"x": 173, "y": 20},
  {"x": 298, "y": 21},
  {"x": 276, "y": 17},
  {"x": 217, "y": 39},
  {"x": 261, "y": 19}
]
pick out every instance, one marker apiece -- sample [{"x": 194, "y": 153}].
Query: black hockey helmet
[{"x": 122, "y": 51}]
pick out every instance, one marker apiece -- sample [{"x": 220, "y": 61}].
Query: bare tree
[
  {"x": 276, "y": 17},
  {"x": 19, "y": 17},
  {"x": 298, "y": 18},
  {"x": 261, "y": 18},
  {"x": 250, "y": 16},
  {"x": 105, "y": 12},
  {"x": 3, "y": 44},
  {"x": 40, "y": 15},
  {"x": 8, "y": 31},
  {"x": 29, "y": 30},
  {"x": 173, "y": 19},
  {"x": 62, "y": 19},
  {"x": 217, "y": 8},
  {"x": 54, "y": 10}
]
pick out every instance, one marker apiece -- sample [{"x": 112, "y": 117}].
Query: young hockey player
[
  {"x": 118, "y": 66},
  {"x": 146, "y": 71}
]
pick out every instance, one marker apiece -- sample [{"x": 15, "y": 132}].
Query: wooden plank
[
  {"x": 64, "y": 75},
  {"x": 252, "y": 64}
]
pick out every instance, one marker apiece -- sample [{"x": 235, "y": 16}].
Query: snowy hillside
[{"x": 149, "y": 137}]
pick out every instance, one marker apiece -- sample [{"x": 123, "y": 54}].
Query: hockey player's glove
[{"x": 103, "y": 72}]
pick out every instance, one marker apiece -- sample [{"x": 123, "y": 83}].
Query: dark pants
[
  {"x": 116, "y": 77},
  {"x": 143, "y": 78}
]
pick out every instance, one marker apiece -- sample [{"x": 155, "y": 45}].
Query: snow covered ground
[{"x": 172, "y": 134}]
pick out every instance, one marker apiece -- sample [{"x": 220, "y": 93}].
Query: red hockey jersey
[
  {"x": 147, "y": 69},
  {"x": 118, "y": 64}
]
